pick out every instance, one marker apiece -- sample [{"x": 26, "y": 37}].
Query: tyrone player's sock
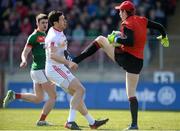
[
  {"x": 91, "y": 49},
  {"x": 43, "y": 117},
  {"x": 72, "y": 115},
  {"x": 134, "y": 109},
  {"x": 17, "y": 96},
  {"x": 90, "y": 119}
]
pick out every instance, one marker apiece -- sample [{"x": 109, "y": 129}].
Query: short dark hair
[
  {"x": 53, "y": 16},
  {"x": 40, "y": 17}
]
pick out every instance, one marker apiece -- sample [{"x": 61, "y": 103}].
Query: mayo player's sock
[
  {"x": 91, "y": 49},
  {"x": 134, "y": 109},
  {"x": 90, "y": 119},
  {"x": 17, "y": 96},
  {"x": 72, "y": 115}
]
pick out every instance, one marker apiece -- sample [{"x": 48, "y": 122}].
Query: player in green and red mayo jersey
[
  {"x": 36, "y": 42},
  {"x": 41, "y": 84}
]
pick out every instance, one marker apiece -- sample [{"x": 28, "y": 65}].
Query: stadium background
[{"x": 159, "y": 82}]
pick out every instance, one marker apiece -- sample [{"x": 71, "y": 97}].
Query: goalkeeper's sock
[
  {"x": 18, "y": 96},
  {"x": 134, "y": 109},
  {"x": 91, "y": 49},
  {"x": 43, "y": 117}
]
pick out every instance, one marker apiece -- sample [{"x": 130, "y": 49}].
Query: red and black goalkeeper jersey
[{"x": 139, "y": 27}]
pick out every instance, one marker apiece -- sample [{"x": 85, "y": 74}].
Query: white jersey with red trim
[{"x": 57, "y": 39}]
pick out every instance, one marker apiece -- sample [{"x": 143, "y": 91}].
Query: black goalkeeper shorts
[{"x": 128, "y": 62}]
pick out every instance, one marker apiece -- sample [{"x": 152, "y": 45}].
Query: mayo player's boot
[{"x": 9, "y": 98}]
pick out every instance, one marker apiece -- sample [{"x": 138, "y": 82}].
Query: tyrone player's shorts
[
  {"x": 38, "y": 76},
  {"x": 60, "y": 75}
]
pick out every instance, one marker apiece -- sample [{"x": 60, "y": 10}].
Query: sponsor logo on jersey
[{"x": 41, "y": 39}]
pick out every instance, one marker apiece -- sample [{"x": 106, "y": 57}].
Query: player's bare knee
[{"x": 101, "y": 40}]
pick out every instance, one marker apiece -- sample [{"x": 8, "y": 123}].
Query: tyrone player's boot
[
  {"x": 72, "y": 126},
  {"x": 98, "y": 123}
]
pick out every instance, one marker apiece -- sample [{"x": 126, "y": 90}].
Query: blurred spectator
[
  {"x": 83, "y": 12},
  {"x": 160, "y": 14},
  {"x": 6, "y": 28},
  {"x": 21, "y": 9},
  {"x": 92, "y": 8},
  {"x": 104, "y": 29},
  {"x": 78, "y": 34},
  {"x": 171, "y": 6},
  {"x": 26, "y": 26},
  {"x": 14, "y": 20},
  {"x": 103, "y": 10},
  {"x": 53, "y": 5},
  {"x": 93, "y": 31},
  {"x": 34, "y": 10},
  {"x": 69, "y": 3}
]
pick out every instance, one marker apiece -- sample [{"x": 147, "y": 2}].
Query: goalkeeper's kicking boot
[
  {"x": 98, "y": 123},
  {"x": 133, "y": 127},
  {"x": 43, "y": 123},
  {"x": 72, "y": 126},
  {"x": 9, "y": 98}
]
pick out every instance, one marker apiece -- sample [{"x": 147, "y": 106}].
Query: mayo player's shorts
[
  {"x": 60, "y": 75},
  {"x": 38, "y": 76}
]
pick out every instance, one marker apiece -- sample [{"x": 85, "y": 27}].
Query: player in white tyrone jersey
[{"x": 57, "y": 72}]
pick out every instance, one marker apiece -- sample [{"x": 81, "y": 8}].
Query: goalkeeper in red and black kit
[{"x": 126, "y": 48}]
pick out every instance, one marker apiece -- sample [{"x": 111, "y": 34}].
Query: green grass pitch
[{"x": 25, "y": 119}]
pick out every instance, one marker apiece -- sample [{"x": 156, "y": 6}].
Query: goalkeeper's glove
[
  {"x": 164, "y": 41},
  {"x": 111, "y": 38}
]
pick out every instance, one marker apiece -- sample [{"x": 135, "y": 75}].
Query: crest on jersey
[{"x": 63, "y": 44}]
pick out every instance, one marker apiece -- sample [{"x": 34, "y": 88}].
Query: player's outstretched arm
[{"x": 163, "y": 38}]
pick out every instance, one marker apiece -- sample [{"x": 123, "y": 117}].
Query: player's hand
[
  {"x": 72, "y": 65},
  {"x": 164, "y": 41},
  {"x": 23, "y": 64}
]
